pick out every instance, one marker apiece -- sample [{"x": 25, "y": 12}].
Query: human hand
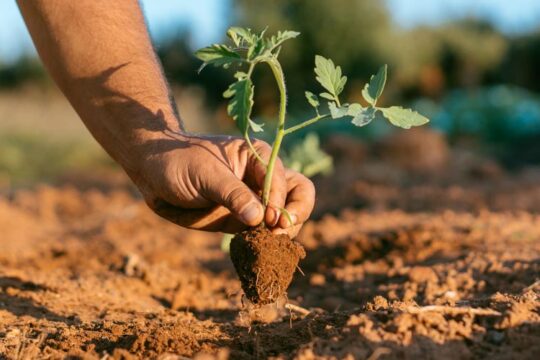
[{"x": 212, "y": 183}]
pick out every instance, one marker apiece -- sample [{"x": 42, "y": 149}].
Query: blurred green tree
[
  {"x": 23, "y": 70},
  {"x": 352, "y": 32},
  {"x": 465, "y": 53},
  {"x": 521, "y": 64}
]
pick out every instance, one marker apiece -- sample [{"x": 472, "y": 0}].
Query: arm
[{"x": 100, "y": 55}]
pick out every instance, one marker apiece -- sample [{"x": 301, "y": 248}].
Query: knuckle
[
  {"x": 237, "y": 196},
  {"x": 262, "y": 146}
]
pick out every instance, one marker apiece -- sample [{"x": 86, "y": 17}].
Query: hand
[{"x": 213, "y": 184}]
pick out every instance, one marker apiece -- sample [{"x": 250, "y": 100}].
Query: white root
[
  {"x": 452, "y": 310},
  {"x": 297, "y": 309}
]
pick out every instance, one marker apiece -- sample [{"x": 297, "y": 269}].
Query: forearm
[{"x": 100, "y": 55}]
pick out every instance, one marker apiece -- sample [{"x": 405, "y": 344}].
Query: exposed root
[
  {"x": 378, "y": 352},
  {"x": 297, "y": 309},
  {"x": 452, "y": 310}
]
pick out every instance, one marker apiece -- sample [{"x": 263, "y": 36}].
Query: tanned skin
[{"x": 100, "y": 55}]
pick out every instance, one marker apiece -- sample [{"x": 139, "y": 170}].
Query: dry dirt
[
  {"x": 265, "y": 263},
  {"x": 428, "y": 265}
]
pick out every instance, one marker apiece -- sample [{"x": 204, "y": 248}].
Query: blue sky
[{"x": 207, "y": 18}]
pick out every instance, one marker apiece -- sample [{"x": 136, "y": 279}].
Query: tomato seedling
[{"x": 249, "y": 49}]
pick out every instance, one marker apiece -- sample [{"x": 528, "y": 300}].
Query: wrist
[{"x": 147, "y": 145}]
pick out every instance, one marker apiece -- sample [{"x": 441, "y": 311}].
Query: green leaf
[
  {"x": 282, "y": 36},
  {"x": 239, "y": 75},
  {"x": 217, "y": 55},
  {"x": 256, "y": 49},
  {"x": 240, "y": 94},
  {"x": 404, "y": 118},
  {"x": 233, "y": 35},
  {"x": 337, "y": 112},
  {"x": 326, "y": 96},
  {"x": 361, "y": 115},
  {"x": 373, "y": 90},
  {"x": 329, "y": 76},
  {"x": 255, "y": 127},
  {"x": 312, "y": 99},
  {"x": 241, "y": 36}
]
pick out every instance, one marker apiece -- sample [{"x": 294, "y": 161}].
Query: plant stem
[
  {"x": 254, "y": 151},
  {"x": 306, "y": 123},
  {"x": 246, "y": 135},
  {"x": 280, "y": 129}
]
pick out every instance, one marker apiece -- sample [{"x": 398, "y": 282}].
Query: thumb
[{"x": 230, "y": 192}]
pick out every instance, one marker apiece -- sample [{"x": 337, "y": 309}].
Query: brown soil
[
  {"x": 441, "y": 266},
  {"x": 265, "y": 263}
]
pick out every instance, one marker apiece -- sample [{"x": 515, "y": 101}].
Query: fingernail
[
  {"x": 293, "y": 219},
  {"x": 251, "y": 214},
  {"x": 274, "y": 217}
]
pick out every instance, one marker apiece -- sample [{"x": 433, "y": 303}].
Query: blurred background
[{"x": 471, "y": 66}]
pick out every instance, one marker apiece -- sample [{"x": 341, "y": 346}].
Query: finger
[
  {"x": 300, "y": 199},
  {"x": 292, "y": 231},
  {"x": 217, "y": 218},
  {"x": 224, "y": 188},
  {"x": 278, "y": 187}
]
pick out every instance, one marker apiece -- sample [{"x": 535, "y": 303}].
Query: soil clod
[{"x": 265, "y": 263}]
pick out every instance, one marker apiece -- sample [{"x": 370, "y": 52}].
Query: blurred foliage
[
  {"x": 460, "y": 54},
  {"x": 521, "y": 66},
  {"x": 505, "y": 119},
  {"x": 359, "y": 36},
  {"x": 352, "y": 33},
  {"x": 181, "y": 67},
  {"x": 307, "y": 157},
  {"x": 433, "y": 63},
  {"x": 26, "y": 69},
  {"x": 25, "y": 158}
]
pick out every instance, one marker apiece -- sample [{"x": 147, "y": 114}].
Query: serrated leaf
[
  {"x": 329, "y": 76},
  {"x": 361, "y": 115},
  {"x": 404, "y": 118},
  {"x": 255, "y": 127},
  {"x": 217, "y": 55},
  {"x": 240, "y": 95},
  {"x": 241, "y": 36},
  {"x": 256, "y": 49},
  {"x": 233, "y": 35},
  {"x": 326, "y": 96},
  {"x": 337, "y": 112},
  {"x": 282, "y": 36},
  {"x": 373, "y": 90},
  {"x": 240, "y": 75},
  {"x": 354, "y": 109},
  {"x": 312, "y": 99}
]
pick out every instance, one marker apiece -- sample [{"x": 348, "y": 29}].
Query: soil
[
  {"x": 265, "y": 263},
  {"x": 399, "y": 265}
]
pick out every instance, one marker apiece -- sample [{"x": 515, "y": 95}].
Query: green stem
[
  {"x": 246, "y": 135},
  {"x": 280, "y": 129},
  {"x": 254, "y": 151},
  {"x": 306, "y": 123}
]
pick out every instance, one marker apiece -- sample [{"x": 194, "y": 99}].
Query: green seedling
[{"x": 249, "y": 49}]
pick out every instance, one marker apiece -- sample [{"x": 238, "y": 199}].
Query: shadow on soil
[
  {"x": 12, "y": 299},
  {"x": 330, "y": 335}
]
